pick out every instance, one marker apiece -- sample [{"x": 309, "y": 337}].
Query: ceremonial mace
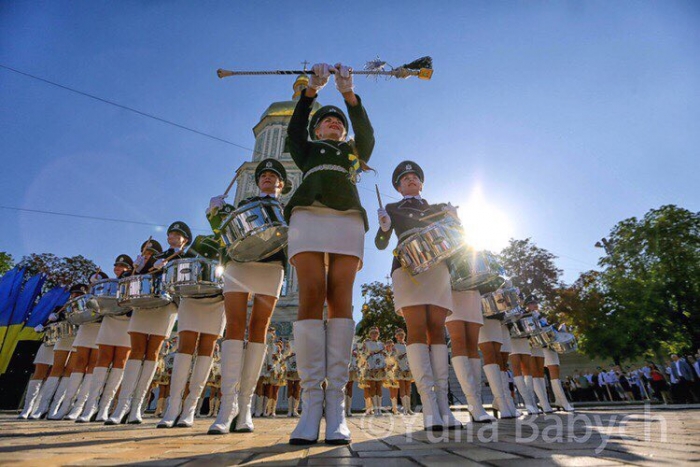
[{"x": 422, "y": 68}]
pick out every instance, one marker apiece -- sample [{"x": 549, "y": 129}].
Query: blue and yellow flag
[
  {"x": 56, "y": 297},
  {"x": 23, "y": 307},
  {"x": 10, "y": 287}
]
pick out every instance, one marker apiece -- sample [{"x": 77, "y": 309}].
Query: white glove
[
  {"x": 384, "y": 220},
  {"x": 53, "y": 317},
  {"x": 39, "y": 328},
  {"x": 95, "y": 278},
  {"x": 343, "y": 78},
  {"x": 321, "y": 75},
  {"x": 216, "y": 203},
  {"x": 451, "y": 210},
  {"x": 140, "y": 262},
  {"x": 159, "y": 264}
]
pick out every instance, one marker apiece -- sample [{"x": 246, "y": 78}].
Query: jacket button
[
  {"x": 337, "y": 153},
  {"x": 323, "y": 151}
]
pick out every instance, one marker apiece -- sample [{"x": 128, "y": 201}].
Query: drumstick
[
  {"x": 230, "y": 185},
  {"x": 379, "y": 196},
  {"x": 166, "y": 260},
  {"x": 145, "y": 247}
]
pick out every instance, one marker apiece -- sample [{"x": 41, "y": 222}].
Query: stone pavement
[{"x": 590, "y": 437}]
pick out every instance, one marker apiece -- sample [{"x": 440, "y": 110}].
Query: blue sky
[{"x": 550, "y": 120}]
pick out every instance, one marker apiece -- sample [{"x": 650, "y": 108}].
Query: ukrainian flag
[
  {"x": 56, "y": 297},
  {"x": 10, "y": 287},
  {"x": 20, "y": 313}
]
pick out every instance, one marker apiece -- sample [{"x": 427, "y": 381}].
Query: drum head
[{"x": 259, "y": 246}]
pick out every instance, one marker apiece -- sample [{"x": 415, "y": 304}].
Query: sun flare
[{"x": 486, "y": 226}]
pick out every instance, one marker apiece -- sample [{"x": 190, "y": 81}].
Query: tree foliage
[
  {"x": 532, "y": 269},
  {"x": 378, "y": 310},
  {"x": 7, "y": 262},
  {"x": 59, "y": 271}
]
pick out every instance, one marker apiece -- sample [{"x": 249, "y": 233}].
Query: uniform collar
[
  {"x": 418, "y": 197},
  {"x": 265, "y": 195}
]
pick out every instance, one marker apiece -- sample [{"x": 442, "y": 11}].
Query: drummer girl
[
  {"x": 42, "y": 364},
  {"x": 390, "y": 380},
  {"x": 200, "y": 324},
  {"x": 373, "y": 349},
  {"x": 82, "y": 363},
  {"x": 292, "y": 375},
  {"x": 424, "y": 300},
  {"x": 551, "y": 361},
  {"x": 241, "y": 364},
  {"x": 533, "y": 367},
  {"x": 114, "y": 346},
  {"x": 404, "y": 371},
  {"x": 327, "y": 226}
]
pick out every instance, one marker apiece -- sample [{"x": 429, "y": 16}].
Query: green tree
[
  {"x": 652, "y": 272},
  {"x": 6, "y": 262},
  {"x": 59, "y": 271},
  {"x": 378, "y": 310}
]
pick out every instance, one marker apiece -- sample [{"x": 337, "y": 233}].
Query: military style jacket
[
  {"x": 326, "y": 164},
  {"x": 406, "y": 218}
]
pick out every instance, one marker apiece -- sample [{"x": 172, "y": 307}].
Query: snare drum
[
  {"x": 471, "y": 269},
  {"x": 51, "y": 334},
  {"x": 564, "y": 343},
  {"x": 255, "y": 230},
  {"x": 431, "y": 245},
  {"x": 105, "y": 293},
  {"x": 82, "y": 310},
  {"x": 193, "y": 278},
  {"x": 205, "y": 246},
  {"x": 542, "y": 339},
  {"x": 56, "y": 331},
  {"x": 501, "y": 303},
  {"x": 525, "y": 326},
  {"x": 142, "y": 291}
]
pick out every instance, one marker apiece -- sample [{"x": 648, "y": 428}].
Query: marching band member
[
  {"x": 168, "y": 360},
  {"x": 82, "y": 364},
  {"x": 327, "y": 225},
  {"x": 214, "y": 384},
  {"x": 292, "y": 375},
  {"x": 490, "y": 343},
  {"x": 362, "y": 381},
  {"x": 506, "y": 373},
  {"x": 391, "y": 381},
  {"x": 43, "y": 361},
  {"x": 463, "y": 325},
  {"x": 241, "y": 363},
  {"x": 277, "y": 378},
  {"x": 57, "y": 381},
  {"x": 535, "y": 376},
  {"x": 200, "y": 324},
  {"x": 424, "y": 300},
  {"x": 551, "y": 361},
  {"x": 353, "y": 377},
  {"x": 375, "y": 356},
  {"x": 404, "y": 371},
  {"x": 520, "y": 363},
  {"x": 113, "y": 346}
]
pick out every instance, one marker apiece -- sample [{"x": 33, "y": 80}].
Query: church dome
[{"x": 286, "y": 108}]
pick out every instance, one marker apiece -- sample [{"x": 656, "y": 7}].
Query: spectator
[
  {"x": 683, "y": 373},
  {"x": 659, "y": 384}
]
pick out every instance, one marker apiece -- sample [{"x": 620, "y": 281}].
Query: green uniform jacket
[{"x": 330, "y": 188}]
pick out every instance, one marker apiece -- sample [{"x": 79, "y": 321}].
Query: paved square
[{"x": 590, "y": 437}]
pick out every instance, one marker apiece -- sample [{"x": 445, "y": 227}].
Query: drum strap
[{"x": 331, "y": 167}]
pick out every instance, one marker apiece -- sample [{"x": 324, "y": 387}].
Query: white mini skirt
[
  {"x": 551, "y": 358},
  {"x": 431, "y": 287},
  {"x": 491, "y": 332},
  {"x": 319, "y": 228},
  {"x": 254, "y": 278},
  {"x": 202, "y": 315},
  {"x": 537, "y": 352},
  {"x": 114, "y": 331},
  {"x": 467, "y": 307},
  {"x": 44, "y": 356},
  {"x": 154, "y": 321},
  {"x": 521, "y": 346},
  {"x": 507, "y": 346},
  {"x": 65, "y": 344},
  {"x": 87, "y": 335}
]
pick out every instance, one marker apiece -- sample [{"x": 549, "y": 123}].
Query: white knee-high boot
[
  {"x": 439, "y": 360},
  {"x": 348, "y": 406},
  {"x": 148, "y": 371},
  {"x": 233, "y": 358},
  {"x": 45, "y": 397},
  {"x": 377, "y": 404},
  {"x": 259, "y": 406},
  {"x": 74, "y": 383},
  {"x": 472, "y": 390},
  {"x": 493, "y": 375},
  {"x": 57, "y": 398},
  {"x": 541, "y": 391},
  {"x": 310, "y": 346},
  {"x": 254, "y": 358},
  {"x": 33, "y": 390},
  {"x": 200, "y": 375},
  {"x": 113, "y": 381},
  {"x": 560, "y": 399},
  {"x": 339, "y": 335},
  {"x": 530, "y": 405},
  {"x": 508, "y": 394},
  {"x": 178, "y": 381},
  {"x": 132, "y": 371},
  {"x": 99, "y": 376},
  {"x": 81, "y": 398},
  {"x": 419, "y": 362}
]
